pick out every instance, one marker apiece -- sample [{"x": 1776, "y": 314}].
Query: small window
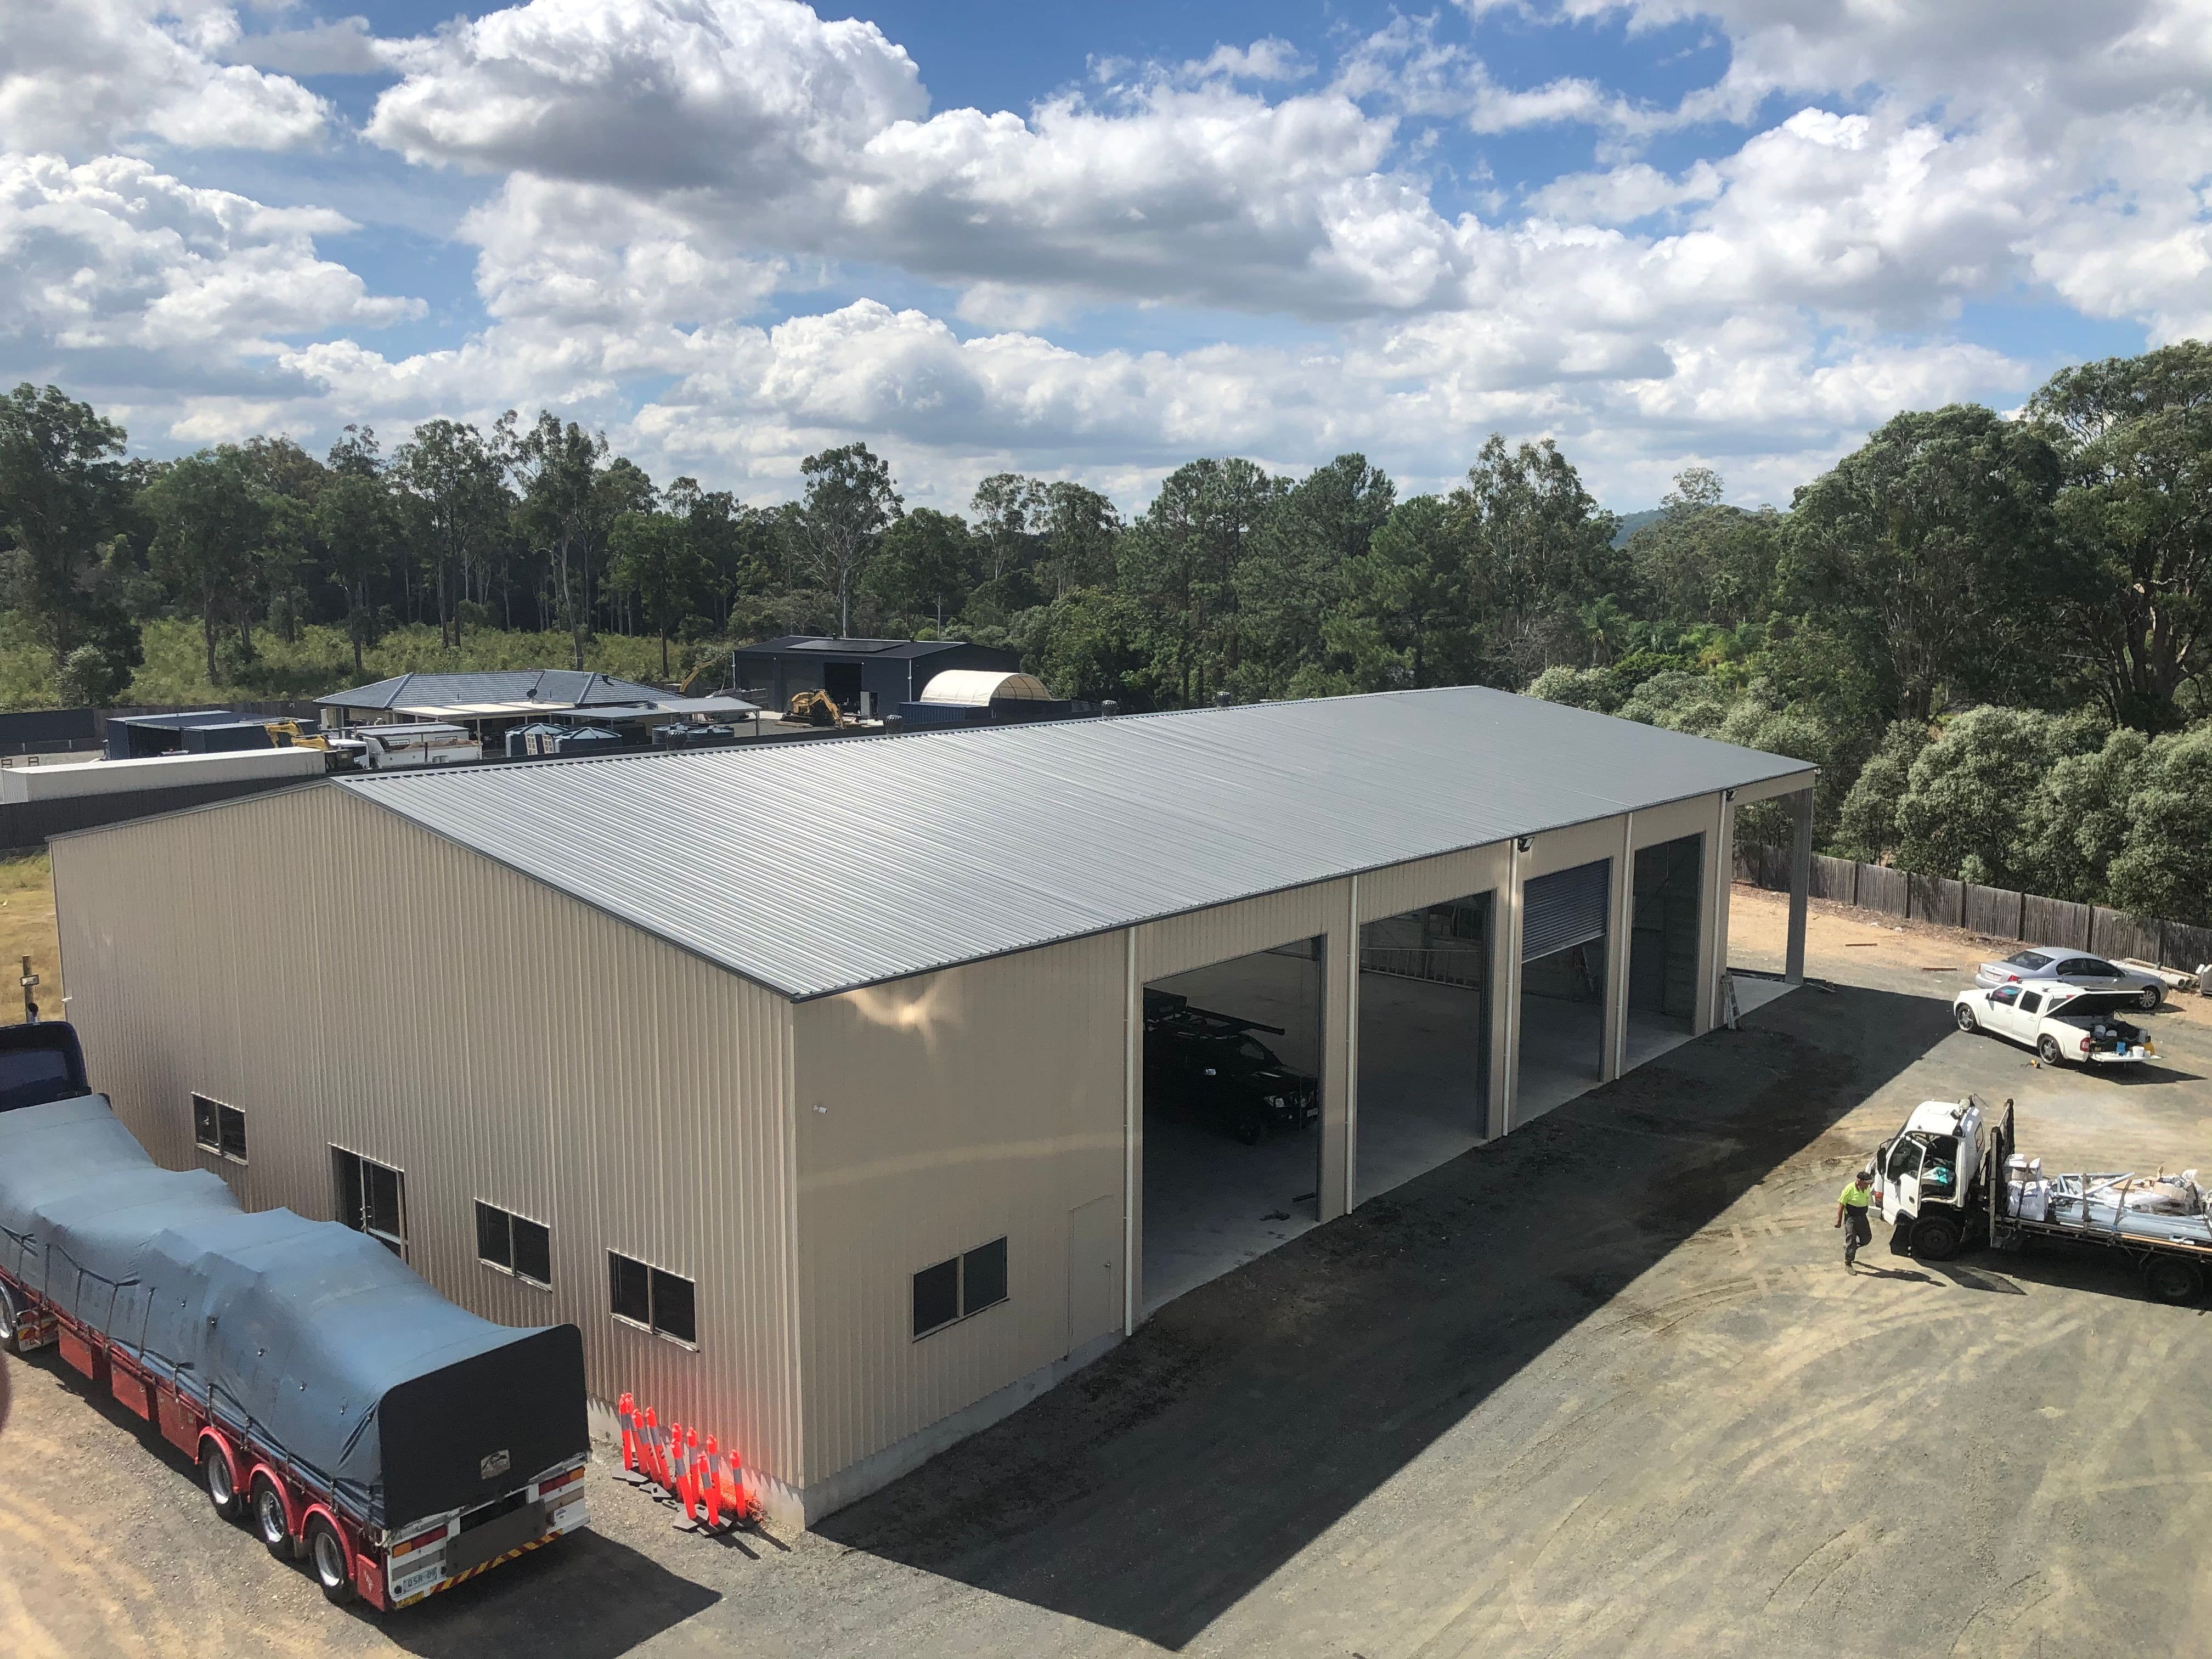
[
  {"x": 936, "y": 1297},
  {"x": 533, "y": 1252},
  {"x": 672, "y": 1312},
  {"x": 631, "y": 1287},
  {"x": 661, "y": 1302},
  {"x": 951, "y": 1290},
  {"x": 514, "y": 1244},
  {"x": 2031, "y": 1003},
  {"x": 219, "y": 1128},
  {"x": 371, "y": 1199},
  {"x": 983, "y": 1277}
]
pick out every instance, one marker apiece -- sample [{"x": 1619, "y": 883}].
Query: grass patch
[
  {"x": 26, "y": 929},
  {"x": 320, "y": 661}
]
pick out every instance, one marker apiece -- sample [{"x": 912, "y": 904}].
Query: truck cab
[{"x": 1928, "y": 1175}]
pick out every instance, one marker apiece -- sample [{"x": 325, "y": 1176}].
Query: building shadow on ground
[
  {"x": 1160, "y": 1486},
  {"x": 586, "y": 1597}
]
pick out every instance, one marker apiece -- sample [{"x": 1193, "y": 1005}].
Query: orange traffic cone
[
  {"x": 626, "y": 1414},
  {"x": 714, "y": 1486}
]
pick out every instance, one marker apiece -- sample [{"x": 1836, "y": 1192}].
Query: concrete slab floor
[
  {"x": 1559, "y": 1054},
  {"x": 1650, "y": 1035},
  {"x": 1212, "y": 1203},
  {"x": 1600, "y": 1389},
  {"x": 1421, "y": 1078}
]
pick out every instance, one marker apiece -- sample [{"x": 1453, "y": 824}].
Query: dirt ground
[
  {"x": 1863, "y": 945},
  {"x": 1601, "y": 1388}
]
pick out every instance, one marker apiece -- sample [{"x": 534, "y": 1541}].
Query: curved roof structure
[
  {"x": 978, "y": 688},
  {"x": 987, "y": 841}
]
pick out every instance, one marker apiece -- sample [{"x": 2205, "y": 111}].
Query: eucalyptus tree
[
  {"x": 851, "y": 500},
  {"x": 64, "y": 486},
  {"x": 2134, "y": 437},
  {"x": 210, "y": 516},
  {"x": 555, "y": 469},
  {"x": 1933, "y": 547}
]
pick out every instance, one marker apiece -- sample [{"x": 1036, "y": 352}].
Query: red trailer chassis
[{"x": 294, "y": 1514}]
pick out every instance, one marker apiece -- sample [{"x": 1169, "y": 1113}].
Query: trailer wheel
[
  {"x": 2168, "y": 1279},
  {"x": 8, "y": 1322},
  {"x": 268, "y": 1519},
  {"x": 2052, "y": 1053},
  {"x": 333, "y": 1570},
  {"x": 215, "y": 1479},
  {"x": 1935, "y": 1238}
]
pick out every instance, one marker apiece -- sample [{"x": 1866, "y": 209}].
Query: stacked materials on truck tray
[
  {"x": 303, "y": 1337},
  {"x": 2144, "y": 1207}
]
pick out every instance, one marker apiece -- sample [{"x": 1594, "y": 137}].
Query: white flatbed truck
[{"x": 1953, "y": 1179}]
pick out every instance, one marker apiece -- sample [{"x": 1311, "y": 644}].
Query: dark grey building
[{"x": 890, "y": 671}]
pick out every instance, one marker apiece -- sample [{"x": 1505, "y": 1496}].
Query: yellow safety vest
[{"x": 1856, "y": 1196}]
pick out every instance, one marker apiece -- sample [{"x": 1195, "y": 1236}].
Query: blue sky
[{"x": 1095, "y": 242}]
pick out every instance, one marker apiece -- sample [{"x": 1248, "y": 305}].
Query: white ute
[{"x": 2060, "y": 1022}]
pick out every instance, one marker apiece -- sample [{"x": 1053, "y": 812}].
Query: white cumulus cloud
[
  {"x": 83, "y": 76},
  {"x": 115, "y": 253}
]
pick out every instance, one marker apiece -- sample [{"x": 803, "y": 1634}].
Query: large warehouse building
[{"x": 842, "y": 1156}]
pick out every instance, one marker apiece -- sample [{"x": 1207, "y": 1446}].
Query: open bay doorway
[
  {"x": 1232, "y": 1114},
  {"x": 1563, "y": 946},
  {"x": 1423, "y": 1040},
  {"x": 1662, "y": 945}
]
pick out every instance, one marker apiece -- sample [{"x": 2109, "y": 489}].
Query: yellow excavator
[
  {"x": 290, "y": 734},
  {"x": 815, "y": 709},
  {"x": 694, "y": 682}
]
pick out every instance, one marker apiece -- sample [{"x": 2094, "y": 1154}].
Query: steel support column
[
  {"x": 1801, "y": 883},
  {"x": 1132, "y": 1145}
]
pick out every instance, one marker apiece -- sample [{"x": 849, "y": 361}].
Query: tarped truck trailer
[{"x": 399, "y": 1442}]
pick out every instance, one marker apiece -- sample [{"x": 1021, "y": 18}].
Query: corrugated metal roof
[
  {"x": 563, "y": 688},
  {"x": 814, "y": 868}
]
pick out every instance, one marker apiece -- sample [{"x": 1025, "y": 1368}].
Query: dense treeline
[{"x": 1987, "y": 630}]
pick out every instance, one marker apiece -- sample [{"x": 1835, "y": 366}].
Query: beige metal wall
[
  {"x": 343, "y": 977},
  {"x": 934, "y": 1115}
]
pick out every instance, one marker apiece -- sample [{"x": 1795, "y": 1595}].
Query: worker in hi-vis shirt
[{"x": 1851, "y": 1216}]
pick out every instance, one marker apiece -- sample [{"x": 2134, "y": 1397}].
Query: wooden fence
[{"x": 1993, "y": 912}]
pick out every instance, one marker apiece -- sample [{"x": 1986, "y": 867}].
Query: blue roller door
[{"x": 1563, "y": 908}]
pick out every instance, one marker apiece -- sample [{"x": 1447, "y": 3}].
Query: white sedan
[
  {"x": 2043, "y": 963},
  {"x": 2060, "y": 1022}
]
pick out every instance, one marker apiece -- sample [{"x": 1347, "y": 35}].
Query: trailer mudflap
[{"x": 494, "y": 1538}]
